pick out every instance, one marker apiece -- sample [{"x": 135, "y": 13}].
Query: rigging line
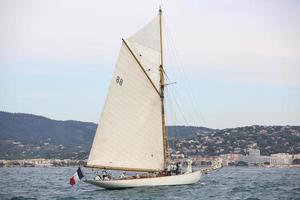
[
  {"x": 184, "y": 85},
  {"x": 189, "y": 97},
  {"x": 172, "y": 110},
  {"x": 172, "y": 113},
  {"x": 180, "y": 99},
  {"x": 173, "y": 107},
  {"x": 167, "y": 75},
  {"x": 167, "y": 118},
  {"x": 188, "y": 107},
  {"x": 175, "y": 100},
  {"x": 169, "y": 94},
  {"x": 172, "y": 116},
  {"x": 181, "y": 68},
  {"x": 173, "y": 130},
  {"x": 169, "y": 105},
  {"x": 168, "y": 44},
  {"x": 191, "y": 93}
]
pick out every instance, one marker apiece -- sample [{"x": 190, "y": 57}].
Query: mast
[
  {"x": 119, "y": 143},
  {"x": 162, "y": 88}
]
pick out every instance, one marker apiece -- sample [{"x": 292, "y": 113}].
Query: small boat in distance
[{"x": 131, "y": 134}]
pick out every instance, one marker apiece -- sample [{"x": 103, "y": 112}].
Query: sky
[{"x": 235, "y": 63}]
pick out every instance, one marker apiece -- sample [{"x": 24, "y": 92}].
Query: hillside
[
  {"x": 269, "y": 139},
  {"x": 31, "y": 136}
]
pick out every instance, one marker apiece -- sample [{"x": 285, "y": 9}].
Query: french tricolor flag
[{"x": 76, "y": 177}]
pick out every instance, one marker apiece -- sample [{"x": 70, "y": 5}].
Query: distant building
[
  {"x": 229, "y": 158},
  {"x": 265, "y": 160},
  {"x": 281, "y": 159},
  {"x": 253, "y": 157},
  {"x": 296, "y": 156}
]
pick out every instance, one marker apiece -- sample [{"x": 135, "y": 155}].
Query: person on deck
[
  {"x": 98, "y": 177},
  {"x": 137, "y": 175},
  {"x": 173, "y": 169},
  {"x": 179, "y": 168},
  {"x": 169, "y": 170},
  {"x": 105, "y": 175},
  {"x": 122, "y": 176}
]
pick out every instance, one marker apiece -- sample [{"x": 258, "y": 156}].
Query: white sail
[
  {"x": 146, "y": 46},
  {"x": 129, "y": 135}
]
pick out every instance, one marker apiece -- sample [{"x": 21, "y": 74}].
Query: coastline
[{"x": 41, "y": 162}]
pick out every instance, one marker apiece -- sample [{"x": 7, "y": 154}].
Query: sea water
[{"x": 227, "y": 183}]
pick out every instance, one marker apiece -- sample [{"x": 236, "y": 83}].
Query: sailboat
[{"x": 131, "y": 134}]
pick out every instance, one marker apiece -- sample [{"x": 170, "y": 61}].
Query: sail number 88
[{"x": 119, "y": 80}]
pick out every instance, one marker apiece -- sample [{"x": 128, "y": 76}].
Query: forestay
[{"x": 129, "y": 135}]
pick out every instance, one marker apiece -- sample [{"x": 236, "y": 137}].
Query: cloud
[
  {"x": 258, "y": 40},
  {"x": 233, "y": 42}
]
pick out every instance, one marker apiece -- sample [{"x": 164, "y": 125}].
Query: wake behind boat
[{"x": 131, "y": 134}]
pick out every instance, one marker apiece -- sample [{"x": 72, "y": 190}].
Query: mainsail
[{"x": 130, "y": 134}]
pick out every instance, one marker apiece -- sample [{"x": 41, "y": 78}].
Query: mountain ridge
[{"x": 34, "y": 136}]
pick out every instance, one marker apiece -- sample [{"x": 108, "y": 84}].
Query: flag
[{"x": 76, "y": 177}]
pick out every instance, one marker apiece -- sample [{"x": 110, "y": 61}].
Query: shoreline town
[{"x": 252, "y": 158}]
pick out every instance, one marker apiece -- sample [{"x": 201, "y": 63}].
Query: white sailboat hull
[{"x": 182, "y": 179}]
